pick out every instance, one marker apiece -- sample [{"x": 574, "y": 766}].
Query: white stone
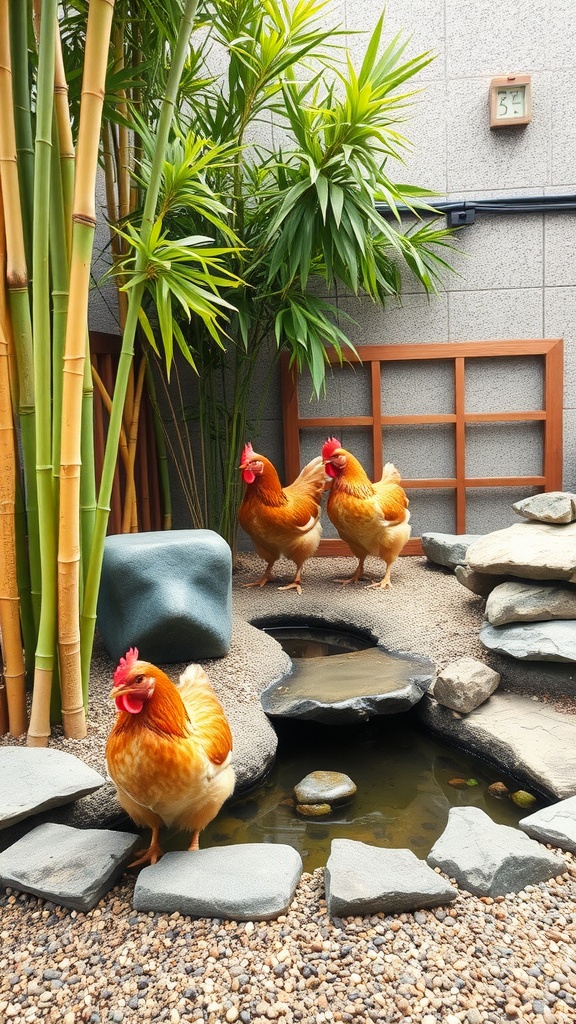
[{"x": 465, "y": 684}]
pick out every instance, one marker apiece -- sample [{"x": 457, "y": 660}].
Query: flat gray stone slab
[
  {"x": 361, "y": 879},
  {"x": 72, "y": 867},
  {"x": 529, "y": 740},
  {"x": 447, "y": 549},
  {"x": 533, "y": 641},
  {"x": 530, "y": 602},
  {"x": 555, "y": 824},
  {"x": 248, "y": 882},
  {"x": 549, "y": 507},
  {"x": 349, "y": 687},
  {"x": 489, "y": 859},
  {"x": 35, "y": 779},
  {"x": 537, "y": 551}
]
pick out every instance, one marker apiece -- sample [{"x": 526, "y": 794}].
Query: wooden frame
[
  {"x": 373, "y": 356},
  {"x": 510, "y": 82}
]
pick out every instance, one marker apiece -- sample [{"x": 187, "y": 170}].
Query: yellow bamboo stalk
[
  {"x": 84, "y": 221},
  {"x": 107, "y": 402},
  {"x": 130, "y": 522},
  {"x": 12, "y": 653}
]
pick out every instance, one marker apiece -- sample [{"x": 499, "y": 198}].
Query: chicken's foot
[
  {"x": 263, "y": 579},
  {"x": 296, "y": 583},
  {"x": 152, "y": 854},
  {"x": 356, "y": 577}
]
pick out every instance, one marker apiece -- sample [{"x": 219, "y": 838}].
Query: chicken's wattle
[
  {"x": 249, "y": 476},
  {"x": 130, "y": 703}
]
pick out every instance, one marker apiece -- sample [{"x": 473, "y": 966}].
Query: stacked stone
[{"x": 531, "y": 616}]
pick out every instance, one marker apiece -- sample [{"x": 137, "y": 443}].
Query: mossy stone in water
[
  {"x": 313, "y": 810},
  {"x": 325, "y": 787}
]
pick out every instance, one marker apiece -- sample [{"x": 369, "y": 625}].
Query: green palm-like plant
[{"x": 303, "y": 212}]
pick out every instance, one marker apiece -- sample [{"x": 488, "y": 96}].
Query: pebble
[{"x": 482, "y": 961}]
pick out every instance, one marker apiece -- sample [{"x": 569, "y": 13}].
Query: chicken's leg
[
  {"x": 195, "y": 843},
  {"x": 263, "y": 579},
  {"x": 152, "y": 854},
  {"x": 358, "y": 575},
  {"x": 296, "y": 582}
]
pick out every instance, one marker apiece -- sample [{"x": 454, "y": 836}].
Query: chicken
[
  {"x": 281, "y": 520},
  {"x": 371, "y": 518},
  {"x": 169, "y": 751}
]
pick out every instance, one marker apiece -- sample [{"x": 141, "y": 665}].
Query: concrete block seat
[{"x": 168, "y": 593}]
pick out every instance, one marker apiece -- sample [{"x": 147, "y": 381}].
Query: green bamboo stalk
[
  {"x": 161, "y": 453},
  {"x": 39, "y": 729},
  {"x": 65, "y": 140},
  {"x": 21, "y": 325},
  {"x": 84, "y": 221},
  {"x": 19, "y": 11},
  {"x": 126, "y": 355}
]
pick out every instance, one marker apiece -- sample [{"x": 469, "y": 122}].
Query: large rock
[
  {"x": 362, "y": 879},
  {"x": 447, "y": 549},
  {"x": 68, "y": 866},
  {"x": 35, "y": 779},
  {"x": 530, "y": 602},
  {"x": 168, "y": 593},
  {"x": 528, "y": 740},
  {"x": 489, "y": 859},
  {"x": 555, "y": 824},
  {"x": 549, "y": 507},
  {"x": 248, "y": 882},
  {"x": 479, "y": 583},
  {"x": 465, "y": 684},
  {"x": 536, "y": 551},
  {"x": 348, "y": 687},
  {"x": 533, "y": 641}
]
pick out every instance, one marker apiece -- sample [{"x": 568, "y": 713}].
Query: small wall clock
[{"x": 510, "y": 100}]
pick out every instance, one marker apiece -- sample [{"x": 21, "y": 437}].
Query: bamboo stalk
[
  {"x": 39, "y": 729},
  {"x": 161, "y": 453},
  {"x": 84, "y": 220},
  {"x": 128, "y": 524},
  {"x": 65, "y": 140},
  {"x": 23, "y": 117},
  {"x": 21, "y": 326},
  {"x": 12, "y": 655},
  {"x": 126, "y": 356}
]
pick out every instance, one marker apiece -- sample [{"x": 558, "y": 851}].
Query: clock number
[{"x": 510, "y": 102}]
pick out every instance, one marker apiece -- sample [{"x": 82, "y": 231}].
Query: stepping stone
[
  {"x": 555, "y": 824},
  {"x": 248, "y": 882},
  {"x": 71, "y": 867},
  {"x": 488, "y": 859},
  {"x": 526, "y": 739},
  {"x": 447, "y": 549},
  {"x": 35, "y": 779},
  {"x": 168, "y": 593},
  {"x": 361, "y": 879}
]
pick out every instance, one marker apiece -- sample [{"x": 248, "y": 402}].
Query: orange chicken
[
  {"x": 169, "y": 751},
  {"x": 281, "y": 520},
  {"x": 371, "y": 517}
]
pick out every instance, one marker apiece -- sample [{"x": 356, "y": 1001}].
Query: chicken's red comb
[
  {"x": 329, "y": 447},
  {"x": 247, "y": 453},
  {"x": 124, "y": 665}
]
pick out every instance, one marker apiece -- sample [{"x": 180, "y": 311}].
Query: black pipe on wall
[{"x": 460, "y": 212}]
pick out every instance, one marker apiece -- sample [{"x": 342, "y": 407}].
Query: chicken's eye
[{"x": 138, "y": 679}]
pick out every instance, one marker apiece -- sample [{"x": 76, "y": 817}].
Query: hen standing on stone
[
  {"x": 281, "y": 520},
  {"x": 371, "y": 518}
]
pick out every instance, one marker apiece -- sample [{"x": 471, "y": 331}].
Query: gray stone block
[
  {"x": 447, "y": 549},
  {"x": 363, "y": 879},
  {"x": 69, "y": 866},
  {"x": 549, "y": 507},
  {"x": 530, "y": 550},
  {"x": 35, "y": 779},
  {"x": 465, "y": 684},
  {"x": 248, "y": 882},
  {"x": 530, "y": 602},
  {"x": 488, "y": 859},
  {"x": 555, "y": 824},
  {"x": 533, "y": 641},
  {"x": 168, "y": 593}
]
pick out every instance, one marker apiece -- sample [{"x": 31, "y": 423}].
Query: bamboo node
[{"x": 84, "y": 218}]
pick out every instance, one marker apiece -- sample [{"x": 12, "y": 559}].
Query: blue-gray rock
[
  {"x": 488, "y": 859},
  {"x": 69, "y": 866},
  {"x": 168, "y": 593},
  {"x": 36, "y": 778},
  {"x": 535, "y": 551},
  {"x": 533, "y": 641},
  {"x": 248, "y": 882},
  {"x": 479, "y": 583},
  {"x": 555, "y": 824},
  {"x": 348, "y": 687},
  {"x": 530, "y": 602},
  {"x": 325, "y": 787},
  {"x": 362, "y": 879},
  {"x": 447, "y": 549},
  {"x": 465, "y": 684},
  {"x": 529, "y": 740},
  {"x": 548, "y": 507}
]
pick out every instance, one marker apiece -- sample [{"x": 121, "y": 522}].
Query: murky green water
[{"x": 404, "y": 793}]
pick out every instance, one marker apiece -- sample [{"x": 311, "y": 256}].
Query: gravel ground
[{"x": 511, "y": 958}]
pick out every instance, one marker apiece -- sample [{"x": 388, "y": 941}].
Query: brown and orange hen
[
  {"x": 169, "y": 751},
  {"x": 371, "y": 517}
]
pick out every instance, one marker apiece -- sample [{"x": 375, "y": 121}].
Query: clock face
[{"x": 511, "y": 102}]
